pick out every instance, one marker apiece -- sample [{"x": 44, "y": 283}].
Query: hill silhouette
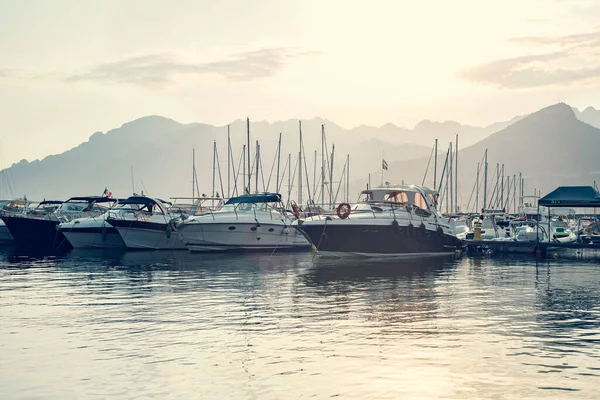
[{"x": 550, "y": 147}]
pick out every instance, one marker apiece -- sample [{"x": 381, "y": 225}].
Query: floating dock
[{"x": 538, "y": 249}]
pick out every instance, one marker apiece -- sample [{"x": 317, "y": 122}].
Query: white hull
[
  {"x": 150, "y": 239},
  {"x": 219, "y": 236},
  {"x": 94, "y": 240}
]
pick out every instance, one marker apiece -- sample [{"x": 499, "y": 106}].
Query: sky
[{"x": 71, "y": 68}]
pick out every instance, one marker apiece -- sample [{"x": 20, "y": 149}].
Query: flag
[
  {"x": 384, "y": 165},
  {"x": 107, "y": 192}
]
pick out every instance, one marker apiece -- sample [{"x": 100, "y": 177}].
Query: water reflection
[{"x": 180, "y": 325}]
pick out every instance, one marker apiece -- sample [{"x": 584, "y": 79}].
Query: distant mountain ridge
[
  {"x": 550, "y": 147},
  {"x": 159, "y": 150}
]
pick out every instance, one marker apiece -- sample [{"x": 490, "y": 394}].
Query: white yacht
[
  {"x": 393, "y": 221},
  {"x": 248, "y": 222},
  {"x": 146, "y": 223}
]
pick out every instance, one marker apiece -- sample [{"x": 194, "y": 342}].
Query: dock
[{"x": 538, "y": 249}]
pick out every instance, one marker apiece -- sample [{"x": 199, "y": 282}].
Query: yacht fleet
[{"x": 386, "y": 221}]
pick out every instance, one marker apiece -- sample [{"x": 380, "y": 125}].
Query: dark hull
[
  {"x": 378, "y": 240},
  {"x": 38, "y": 235}
]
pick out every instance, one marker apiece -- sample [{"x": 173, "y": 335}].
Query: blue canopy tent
[{"x": 569, "y": 196}]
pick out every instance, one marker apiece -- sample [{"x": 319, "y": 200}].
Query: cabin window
[
  {"x": 232, "y": 228},
  {"x": 420, "y": 201},
  {"x": 253, "y": 228},
  {"x": 271, "y": 229},
  {"x": 397, "y": 197}
]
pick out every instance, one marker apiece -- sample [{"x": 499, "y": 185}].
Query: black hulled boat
[
  {"x": 37, "y": 229},
  {"x": 387, "y": 221}
]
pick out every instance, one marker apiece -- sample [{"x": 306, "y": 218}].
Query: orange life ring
[
  {"x": 343, "y": 210},
  {"x": 296, "y": 210}
]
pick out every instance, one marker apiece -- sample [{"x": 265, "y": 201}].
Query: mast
[
  {"x": 456, "y": 176},
  {"x": 132, "y": 182},
  {"x": 278, "y": 162},
  {"x": 248, "y": 149},
  {"x": 502, "y": 189},
  {"x": 214, "y": 170},
  {"x": 322, "y": 165},
  {"x": 450, "y": 180},
  {"x": 348, "y": 179},
  {"x": 435, "y": 165},
  {"x": 477, "y": 188},
  {"x": 257, "y": 161},
  {"x": 228, "y": 163},
  {"x": 289, "y": 177},
  {"x": 331, "y": 176},
  {"x": 485, "y": 177},
  {"x": 315, "y": 177},
  {"x": 515, "y": 207},
  {"x": 300, "y": 166},
  {"x": 244, "y": 167}
]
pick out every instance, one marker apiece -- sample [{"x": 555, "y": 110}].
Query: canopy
[
  {"x": 256, "y": 198},
  {"x": 571, "y": 196},
  {"x": 96, "y": 199}
]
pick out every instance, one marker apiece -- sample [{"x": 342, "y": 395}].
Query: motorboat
[
  {"x": 146, "y": 223},
  {"x": 391, "y": 221},
  {"x": 37, "y": 229},
  {"x": 250, "y": 222},
  {"x": 16, "y": 206},
  {"x": 93, "y": 232}
]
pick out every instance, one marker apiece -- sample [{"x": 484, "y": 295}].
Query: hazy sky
[{"x": 70, "y": 68}]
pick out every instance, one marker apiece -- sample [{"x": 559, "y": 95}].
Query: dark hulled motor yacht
[
  {"x": 37, "y": 230},
  {"x": 387, "y": 221}
]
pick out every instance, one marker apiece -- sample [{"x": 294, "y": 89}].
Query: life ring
[
  {"x": 296, "y": 210},
  {"x": 343, "y": 210}
]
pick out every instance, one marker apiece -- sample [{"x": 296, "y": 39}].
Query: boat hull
[
  {"x": 36, "y": 234},
  {"x": 5, "y": 235},
  {"x": 144, "y": 235},
  {"x": 94, "y": 238},
  {"x": 240, "y": 236},
  {"x": 379, "y": 240}
]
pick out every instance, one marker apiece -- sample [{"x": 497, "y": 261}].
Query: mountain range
[{"x": 154, "y": 154}]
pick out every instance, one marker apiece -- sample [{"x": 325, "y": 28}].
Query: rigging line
[
  {"x": 283, "y": 174},
  {"x": 239, "y": 170},
  {"x": 270, "y": 174},
  {"x": 262, "y": 174},
  {"x": 342, "y": 178},
  {"x": 474, "y": 186}
]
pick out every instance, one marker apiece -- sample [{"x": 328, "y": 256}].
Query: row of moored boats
[{"x": 386, "y": 221}]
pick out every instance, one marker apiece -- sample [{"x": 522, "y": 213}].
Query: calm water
[{"x": 151, "y": 325}]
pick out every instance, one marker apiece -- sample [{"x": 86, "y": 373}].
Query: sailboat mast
[
  {"x": 300, "y": 166},
  {"x": 485, "y": 177},
  {"x": 502, "y": 189},
  {"x": 348, "y": 180},
  {"x": 322, "y": 165},
  {"x": 248, "y": 149},
  {"x": 278, "y": 162},
  {"x": 456, "y": 176},
  {"x": 435, "y": 165},
  {"x": 477, "y": 188},
  {"x": 193, "y": 172},
  {"x": 228, "y": 163},
  {"x": 331, "y": 176},
  {"x": 451, "y": 180},
  {"x": 214, "y": 171},
  {"x": 244, "y": 166},
  {"x": 257, "y": 165}
]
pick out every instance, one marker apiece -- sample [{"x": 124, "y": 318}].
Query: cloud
[
  {"x": 160, "y": 69},
  {"x": 576, "y": 40},
  {"x": 575, "y": 62}
]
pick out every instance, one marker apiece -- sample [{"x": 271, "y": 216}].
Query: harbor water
[{"x": 175, "y": 325}]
